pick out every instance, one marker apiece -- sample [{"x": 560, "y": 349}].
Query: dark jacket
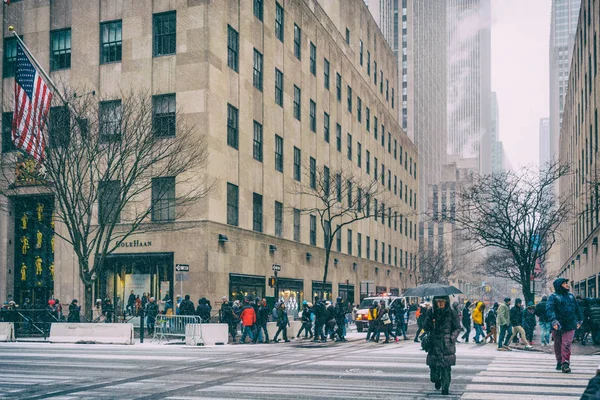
[
  {"x": 282, "y": 317},
  {"x": 203, "y": 311},
  {"x": 490, "y": 319},
  {"x": 529, "y": 320},
  {"x": 466, "y": 315},
  {"x": 306, "y": 312},
  {"x": 442, "y": 327},
  {"x": 320, "y": 312},
  {"x": 227, "y": 314},
  {"x": 562, "y": 308},
  {"x": 131, "y": 300},
  {"x": 340, "y": 312},
  {"x": 74, "y": 313},
  {"x": 263, "y": 315},
  {"x": 187, "y": 308},
  {"x": 516, "y": 315},
  {"x": 540, "y": 311},
  {"x": 151, "y": 310}
]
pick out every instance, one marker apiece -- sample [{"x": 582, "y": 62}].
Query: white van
[{"x": 361, "y": 320}]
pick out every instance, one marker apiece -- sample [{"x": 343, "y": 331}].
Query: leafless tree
[
  {"x": 440, "y": 265},
  {"x": 339, "y": 198},
  {"x": 112, "y": 166},
  {"x": 516, "y": 213}
]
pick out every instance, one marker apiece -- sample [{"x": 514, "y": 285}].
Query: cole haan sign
[{"x": 136, "y": 243}]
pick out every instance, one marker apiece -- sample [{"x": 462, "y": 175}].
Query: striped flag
[{"x": 32, "y": 104}]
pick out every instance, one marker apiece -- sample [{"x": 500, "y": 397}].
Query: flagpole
[{"x": 37, "y": 65}]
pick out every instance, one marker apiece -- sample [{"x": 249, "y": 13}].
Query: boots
[{"x": 565, "y": 368}]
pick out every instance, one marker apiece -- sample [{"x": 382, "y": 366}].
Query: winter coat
[
  {"x": 320, "y": 312},
  {"x": 478, "y": 313},
  {"x": 227, "y": 314},
  {"x": 340, "y": 313},
  {"x": 466, "y": 315},
  {"x": 490, "y": 319},
  {"x": 516, "y": 316},
  {"x": 263, "y": 315},
  {"x": 529, "y": 320},
  {"x": 248, "y": 316},
  {"x": 306, "y": 312},
  {"x": 203, "y": 311},
  {"x": 187, "y": 308},
  {"x": 151, "y": 309},
  {"x": 282, "y": 318},
  {"x": 372, "y": 314},
  {"x": 74, "y": 313},
  {"x": 442, "y": 327},
  {"x": 503, "y": 317},
  {"x": 540, "y": 311},
  {"x": 131, "y": 300},
  {"x": 562, "y": 308}
]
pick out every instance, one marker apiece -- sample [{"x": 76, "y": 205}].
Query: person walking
[
  {"x": 282, "y": 323},
  {"x": 466, "y": 321},
  {"x": 340, "y": 319},
  {"x": 442, "y": 328},
  {"x": 186, "y": 307},
  {"x": 516, "y": 320},
  {"x": 151, "y": 313},
  {"x": 320, "y": 312},
  {"x": 229, "y": 317},
  {"x": 399, "y": 311},
  {"x": 203, "y": 310},
  {"x": 490, "y": 322},
  {"x": 540, "y": 312},
  {"x": 478, "y": 321},
  {"x": 306, "y": 321},
  {"x": 529, "y": 322},
  {"x": 131, "y": 303},
  {"x": 372, "y": 318},
  {"x": 385, "y": 322},
  {"x": 74, "y": 310},
  {"x": 420, "y": 321},
  {"x": 503, "y": 324},
  {"x": 248, "y": 318},
  {"x": 565, "y": 317},
  {"x": 261, "y": 322}
]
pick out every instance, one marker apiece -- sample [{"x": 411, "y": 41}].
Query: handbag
[{"x": 426, "y": 342}]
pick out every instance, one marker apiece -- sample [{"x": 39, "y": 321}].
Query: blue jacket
[{"x": 562, "y": 308}]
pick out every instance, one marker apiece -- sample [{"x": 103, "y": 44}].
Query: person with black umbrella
[{"x": 442, "y": 329}]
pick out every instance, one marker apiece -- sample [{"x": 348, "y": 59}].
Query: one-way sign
[
  {"x": 276, "y": 267},
  {"x": 182, "y": 267}
]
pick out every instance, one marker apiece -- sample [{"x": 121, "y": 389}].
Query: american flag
[{"x": 32, "y": 103}]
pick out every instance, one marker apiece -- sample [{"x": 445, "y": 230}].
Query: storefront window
[
  {"x": 241, "y": 286},
  {"x": 592, "y": 287},
  {"x": 346, "y": 292},
  {"x": 367, "y": 289},
  {"x": 321, "y": 291},
  {"x": 291, "y": 293},
  {"x": 395, "y": 291}
]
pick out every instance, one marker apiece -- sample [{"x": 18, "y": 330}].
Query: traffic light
[{"x": 272, "y": 281}]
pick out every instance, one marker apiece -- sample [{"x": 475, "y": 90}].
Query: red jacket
[{"x": 248, "y": 316}]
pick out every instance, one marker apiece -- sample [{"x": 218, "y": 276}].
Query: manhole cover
[{"x": 364, "y": 371}]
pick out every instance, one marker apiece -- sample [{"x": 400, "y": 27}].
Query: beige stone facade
[
  {"x": 579, "y": 148},
  {"x": 204, "y": 84}
]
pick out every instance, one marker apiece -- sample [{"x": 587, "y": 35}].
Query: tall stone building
[
  {"x": 579, "y": 256},
  {"x": 496, "y": 143},
  {"x": 544, "y": 140},
  {"x": 469, "y": 80},
  {"x": 277, "y": 87}
]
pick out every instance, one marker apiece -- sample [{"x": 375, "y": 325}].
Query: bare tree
[
  {"x": 340, "y": 198},
  {"x": 441, "y": 265},
  {"x": 516, "y": 213},
  {"x": 112, "y": 168}
]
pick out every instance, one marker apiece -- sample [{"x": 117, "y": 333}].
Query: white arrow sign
[{"x": 182, "y": 267}]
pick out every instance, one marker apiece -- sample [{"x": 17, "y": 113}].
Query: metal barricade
[{"x": 166, "y": 326}]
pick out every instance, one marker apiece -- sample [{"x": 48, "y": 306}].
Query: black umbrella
[{"x": 431, "y": 289}]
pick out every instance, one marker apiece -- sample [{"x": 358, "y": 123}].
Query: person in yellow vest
[
  {"x": 478, "y": 321},
  {"x": 372, "y": 318}
]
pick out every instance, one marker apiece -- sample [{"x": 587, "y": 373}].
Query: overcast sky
[{"x": 520, "y": 74}]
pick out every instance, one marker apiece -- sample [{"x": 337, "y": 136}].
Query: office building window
[
  {"x": 359, "y": 154},
  {"x": 164, "y": 32},
  {"x": 296, "y": 225},
  {"x": 278, "y": 219},
  {"x": 258, "y": 9},
  {"x": 313, "y": 116},
  {"x": 326, "y": 180},
  {"x": 232, "y": 126},
  {"x": 359, "y": 244},
  {"x": 7, "y": 143},
  {"x": 368, "y": 63},
  {"x": 359, "y": 109},
  {"x": 368, "y": 161},
  {"x": 233, "y": 47},
  {"x": 338, "y": 137},
  {"x": 326, "y": 127},
  {"x": 257, "y": 212},
  {"x": 110, "y": 116},
  {"x": 338, "y": 187},
  {"x": 257, "y": 147},
  {"x": 109, "y": 195},
  {"x": 10, "y": 57},
  {"x": 349, "y": 194},
  {"x": 395, "y": 149},
  {"x": 375, "y": 128},
  {"x": 376, "y": 249},
  {"x": 110, "y": 41},
  {"x": 232, "y": 204},
  {"x": 338, "y": 240},
  {"x": 347, "y": 36},
  {"x": 297, "y": 164},
  {"x": 338, "y": 87},
  {"x": 279, "y": 20},
  {"x": 297, "y": 42},
  {"x": 297, "y": 101},
  {"x": 350, "y": 241},
  {"x": 164, "y": 115},
  {"x": 360, "y": 52},
  {"x": 278, "y": 87},
  {"x": 257, "y": 76},
  {"x": 313, "y": 230},
  {"x": 326, "y": 68},
  {"x": 368, "y": 247},
  {"x": 163, "y": 199},
  {"x": 279, "y": 153},
  {"x": 349, "y": 99},
  {"x": 313, "y": 173},
  {"x": 368, "y": 119},
  {"x": 313, "y": 59},
  {"x": 60, "y": 49}
]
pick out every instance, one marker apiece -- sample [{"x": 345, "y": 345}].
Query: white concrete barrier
[
  {"x": 207, "y": 334},
  {"x": 91, "y": 333},
  {"x": 7, "y": 332},
  {"x": 292, "y": 330}
]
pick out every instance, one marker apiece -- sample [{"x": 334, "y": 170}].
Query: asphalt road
[{"x": 297, "y": 370}]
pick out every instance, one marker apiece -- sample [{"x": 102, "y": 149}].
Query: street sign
[
  {"x": 182, "y": 267},
  {"x": 276, "y": 267}
]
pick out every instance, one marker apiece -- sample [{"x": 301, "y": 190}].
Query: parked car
[{"x": 361, "y": 320}]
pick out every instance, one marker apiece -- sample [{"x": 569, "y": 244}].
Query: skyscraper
[
  {"x": 562, "y": 36},
  {"x": 497, "y": 147},
  {"x": 544, "y": 141},
  {"x": 469, "y": 80}
]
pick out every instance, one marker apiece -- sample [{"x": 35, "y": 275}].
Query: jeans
[
  {"x": 504, "y": 338},
  {"x": 372, "y": 329},
  {"x": 520, "y": 331},
  {"x": 259, "y": 330},
  {"x": 247, "y": 331},
  {"x": 283, "y": 330},
  {"x": 562, "y": 345},
  {"x": 306, "y": 328},
  {"x": 468, "y": 331},
  {"x": 319, "y": 334},
  {"x": 478, "y": 332},
  {"x": 545, "y": 332}
]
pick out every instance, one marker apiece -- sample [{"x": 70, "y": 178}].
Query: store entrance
[{"x": 149, "y": 274}]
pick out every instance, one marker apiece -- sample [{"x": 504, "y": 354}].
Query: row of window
[
  {"x": 164, "y": 40},
  {"x": 110, "y": 122},
  {"x": 257, "y": 225}
]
